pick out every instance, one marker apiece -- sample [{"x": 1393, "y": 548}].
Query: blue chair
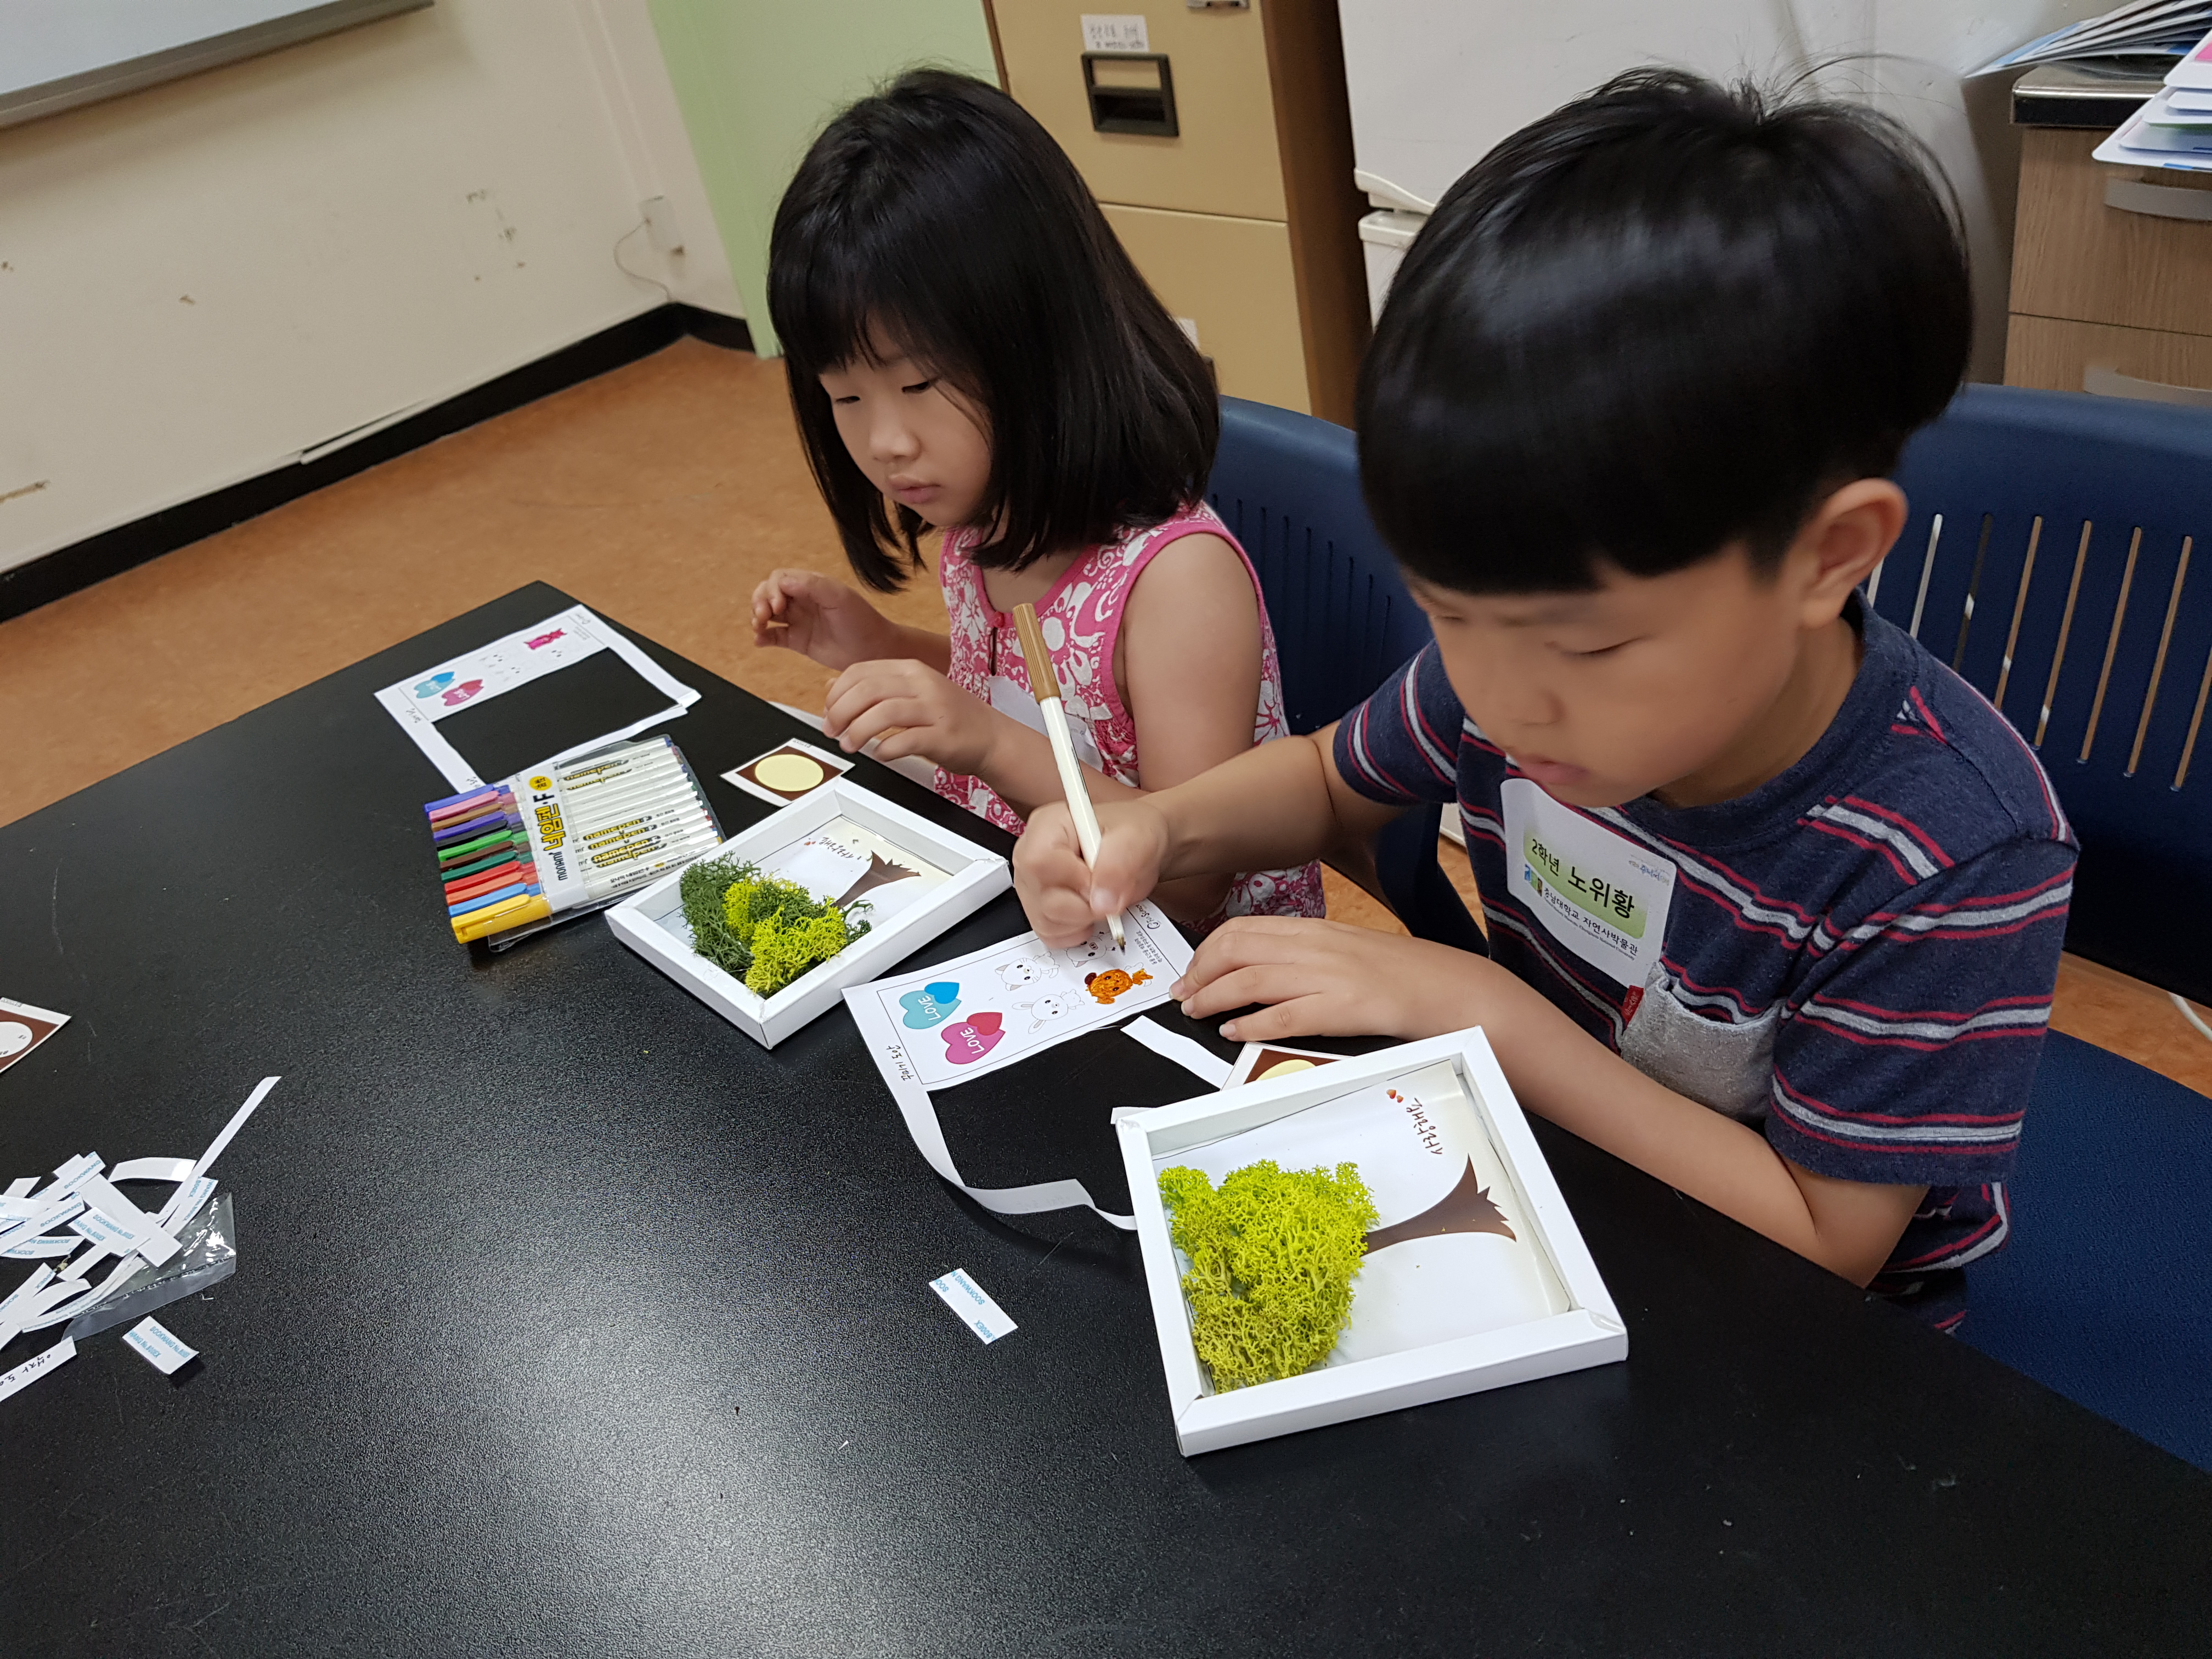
[
  {"x": 1287, "y": 485},
  {"x": 2101, "y": 1293},
  {"x": 2051, "y": 559}
]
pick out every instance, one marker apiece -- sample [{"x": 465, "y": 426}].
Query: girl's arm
[
  {"x": 834, "y": 625},
  {"x": 1190, "y": 669}
]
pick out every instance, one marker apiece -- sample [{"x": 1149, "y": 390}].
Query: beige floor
[{"x": 659, "y": 494}]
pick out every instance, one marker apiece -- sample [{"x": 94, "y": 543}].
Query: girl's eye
[
  {"x": 1603, "y": 651},
  {"x": 919, "y": 386},
  {"x": 850, "y": 397}
]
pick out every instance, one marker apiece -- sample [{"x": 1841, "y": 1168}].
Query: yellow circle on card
[
  {"x": 1284, "y": 1069},
  {"x": 790, "y": 773}
]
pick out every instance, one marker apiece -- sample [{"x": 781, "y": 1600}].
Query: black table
[{"x": 568, "y": 1321}]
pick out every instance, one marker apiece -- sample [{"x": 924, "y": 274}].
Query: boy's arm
[
  {"x": 1276, "y": 806},
  {"x": 1324, "y": 978},
  {"x": 1904, "y": 1061}
]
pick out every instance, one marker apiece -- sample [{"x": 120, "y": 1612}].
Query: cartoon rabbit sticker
[{"x": 1042, "y": 1009}]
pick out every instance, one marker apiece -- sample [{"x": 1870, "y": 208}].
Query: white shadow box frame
[
  {"x": 1588, "y": 1332},
  {"x": 975, "y": 877}
]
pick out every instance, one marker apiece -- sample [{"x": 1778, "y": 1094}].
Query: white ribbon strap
[
  {"x": 921, "y": 1115},
  {"x": 1195, "y": 1058}
]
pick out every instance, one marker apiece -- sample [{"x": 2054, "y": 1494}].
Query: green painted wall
[{"x": 756, "y": 81}]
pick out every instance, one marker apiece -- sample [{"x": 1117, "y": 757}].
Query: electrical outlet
[{"x": 660, "y": 227}]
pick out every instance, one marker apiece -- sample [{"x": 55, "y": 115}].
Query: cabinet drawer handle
[
  {"x": 2111, "y": 383},
  {"x": 2161, "y": 201}
]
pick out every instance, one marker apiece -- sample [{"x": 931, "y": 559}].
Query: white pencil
[{"x": 1044, "y": 684}]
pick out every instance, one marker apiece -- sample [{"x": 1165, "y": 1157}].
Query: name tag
[{"x": 1602, "y": 895}]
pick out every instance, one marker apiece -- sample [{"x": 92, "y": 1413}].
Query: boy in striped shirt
[{"x": 1775, "y": 900}]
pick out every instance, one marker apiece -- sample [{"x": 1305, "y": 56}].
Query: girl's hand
[
  {"x": 924, "y": 712},
  {"x": 1064, "y": 897},
  {"x": 820, "y": 618}
]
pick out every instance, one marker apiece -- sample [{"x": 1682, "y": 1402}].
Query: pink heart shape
[{"x": 971, "y": 1039}]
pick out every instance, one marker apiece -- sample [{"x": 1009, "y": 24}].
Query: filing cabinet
[
  {"x": 1219, "y": 141},
  {"x": 2112, "y": 289}
]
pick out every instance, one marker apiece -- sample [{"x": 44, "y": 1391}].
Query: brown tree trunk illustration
[
  {"x": 1466, "y": 1209},
  {"x": 882, "y": 873}
]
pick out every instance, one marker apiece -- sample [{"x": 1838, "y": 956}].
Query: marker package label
[
  {"x": 602, "y": 827},
  {"x": 557, "y": 841}
]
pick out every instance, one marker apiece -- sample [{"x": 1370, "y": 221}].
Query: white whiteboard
[{"x": 57, "y": 54}]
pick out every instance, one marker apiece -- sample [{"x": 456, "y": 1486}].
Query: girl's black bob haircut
[
  {"x": 1666, "y": 319},
  {"x": 939, "y": 219}
]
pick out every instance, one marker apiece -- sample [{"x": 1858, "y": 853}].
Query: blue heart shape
[
  {"x": 931, "y": 1004},
  {"x": 435, "y": 685}
]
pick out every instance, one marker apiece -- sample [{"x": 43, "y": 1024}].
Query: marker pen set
[{"x": 566, "y": 839}]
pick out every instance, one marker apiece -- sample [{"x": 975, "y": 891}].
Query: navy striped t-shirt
[{"x": 1859, "y": 954}]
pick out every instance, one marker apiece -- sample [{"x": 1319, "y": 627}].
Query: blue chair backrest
[
  {"x": 1287, "y": 485},
  {"x": 2054, "y": 558}
]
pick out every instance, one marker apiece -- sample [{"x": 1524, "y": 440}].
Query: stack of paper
[
  {"x": 90, "y": 1241},
  {"x": 2162, "y": 29},
  {"x": 2174, "y": 128}
]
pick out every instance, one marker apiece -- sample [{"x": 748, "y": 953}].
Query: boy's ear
[{"x": 1850, "y": 533}]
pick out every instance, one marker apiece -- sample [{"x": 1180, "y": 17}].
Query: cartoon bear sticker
[{"x": 1105, "y": 987}]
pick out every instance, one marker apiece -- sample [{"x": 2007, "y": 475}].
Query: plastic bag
[{"x": 208, "y": 1255}]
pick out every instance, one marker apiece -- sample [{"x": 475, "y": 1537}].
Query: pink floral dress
[{"x": 1080, "y": 615}]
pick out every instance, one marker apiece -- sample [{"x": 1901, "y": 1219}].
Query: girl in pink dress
[{"x": 970, "y": 349}]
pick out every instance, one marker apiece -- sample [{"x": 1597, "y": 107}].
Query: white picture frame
[
  {"x": 1588, "y": 1332},
  {"x": 976, "y": 876}
]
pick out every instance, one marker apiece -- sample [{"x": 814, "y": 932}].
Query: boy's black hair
[
  {"x": 1664, "y": 318},
  {"x": 939, "y": 215}
]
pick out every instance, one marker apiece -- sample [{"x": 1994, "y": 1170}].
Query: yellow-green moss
[
  {"x": 764, "y": 929},
  {"x": 1273, "y": 1253}
]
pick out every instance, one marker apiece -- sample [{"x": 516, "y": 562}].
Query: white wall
[
  {"x": 657, "y": 152},
  {"x": 1922, "y": 49},
  {"x": 1436, "y": 82},
  {"x": 204, "y": 282}
]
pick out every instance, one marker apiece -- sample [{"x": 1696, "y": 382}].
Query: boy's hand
[
  {"x": 820, "y": 618},
  {"x": 1325, "y": 979},
  {"x": 926, "y": 714},
  {"x": 1063, "y": 897}
]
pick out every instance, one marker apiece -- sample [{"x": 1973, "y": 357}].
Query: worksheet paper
[
  {"x": 976, "y": 1013},
  {"x": 422, "y": 700},
  {"x": 942, "y": 1026}
]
